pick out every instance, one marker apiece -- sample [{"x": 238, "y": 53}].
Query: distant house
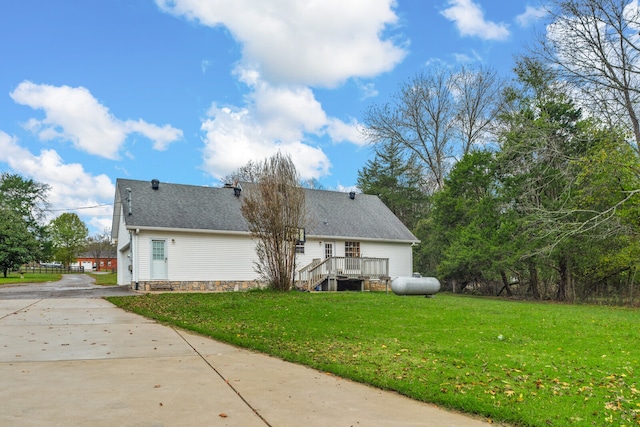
[
  {"x": 184, "y": 237},
  {"x": 107, "y": 262}
]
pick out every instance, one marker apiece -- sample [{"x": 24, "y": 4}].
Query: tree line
[
  {"x": 27, "y": 238},
  {"x": 527, "y": 186}
]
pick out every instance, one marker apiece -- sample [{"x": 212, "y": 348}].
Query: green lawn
[
  {"x": 532, "y": 364},
  {"x": 105, "y": 279},
  {"x": 14, "y": 277}
]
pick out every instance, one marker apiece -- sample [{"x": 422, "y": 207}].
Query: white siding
[
  {"x": 193, "y": 256},
  {"x": 313, "y": 249},
  {"x": 200, "y": 256},
  {"x": 124, "y": 260},
  {"x": 400, "y": 256}
]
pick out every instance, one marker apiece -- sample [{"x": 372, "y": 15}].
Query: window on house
[
  {"x": 352, "y": 249},
  {"x": 300, "y": 239},
  {"x": 101, "y": 263},
  {"x": 109, "y": 263}
]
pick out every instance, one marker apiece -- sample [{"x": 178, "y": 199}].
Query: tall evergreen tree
[{"x": 397, "y": 181}]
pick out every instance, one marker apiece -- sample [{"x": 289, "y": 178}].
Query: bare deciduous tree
[
  {"x": 100, "y": 246},
  {"x": 246, "y": 173},
  {"x": 478, "y": 93},
  {"x": 436, "y": 117},
  {"x": 274, "y": 207},
  {"x": 595, "y": 45}
]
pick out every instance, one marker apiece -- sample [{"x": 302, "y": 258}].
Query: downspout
[{"x": 134, "y": 264}]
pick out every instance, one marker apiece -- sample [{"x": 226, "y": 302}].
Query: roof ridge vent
[{"x": 155, "y": 184}]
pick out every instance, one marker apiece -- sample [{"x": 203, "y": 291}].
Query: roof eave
[
  {"x": 364, "y": 239},
  {"x": 186, "y": 230}
]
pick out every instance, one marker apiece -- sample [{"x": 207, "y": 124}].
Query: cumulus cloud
[
  {"x": 161, "y": 136},
  {"x": 71, "y": 185},
  {"x": 289, "y": 47},
  {"x": 232, "y": 137},
  {"x": 287, "y": 112},
  {"x": 319, "y": 43},
  {"x": 530, "y": 16},
  {"x": 274, "y": 118},
  {"x": 73, "y": 114},
  {"x": 340, "y": 131},
  {"x": 469, "y": 20}
]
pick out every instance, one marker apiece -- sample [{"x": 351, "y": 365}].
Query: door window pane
[
  {"x": 158, "y": 250},
  {"x": 328, "y": 250}
]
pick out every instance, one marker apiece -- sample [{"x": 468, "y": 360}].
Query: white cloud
[
  {"x": 530, "y": 16},
  {"x": 161, "y": 136},
  {"x": 340, "y": 131},
  {"x": 288, "y": 47},
  {"x": 463, "y": 58},
  {"x": 71, "y": 185},
  {"x": 74, "y": 115},
  {"x": 368, "y": 89},
  {"x": 469, "y": 19},
  {"x": 232, "y": 138},
  {"x": 273, "y": 118},
  {"x": 286, "y": 113},
  {"x": 631, "y": 13},
  {"x": 321, "y": 43}
]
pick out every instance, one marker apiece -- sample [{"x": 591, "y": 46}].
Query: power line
[{"x": 81, "y": 208}]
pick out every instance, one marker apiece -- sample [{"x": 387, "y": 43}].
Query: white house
[{"x": 184, "y": 237}]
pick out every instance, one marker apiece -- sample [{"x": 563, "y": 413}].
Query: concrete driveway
[
  {"x": 71, "y": 286},
  {"x": 85, "y": 362}
]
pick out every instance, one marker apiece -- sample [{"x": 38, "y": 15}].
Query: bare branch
[{"x": 274, "y": 207}]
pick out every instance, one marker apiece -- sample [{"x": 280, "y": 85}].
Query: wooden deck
[{"x": 334, "y": 269}]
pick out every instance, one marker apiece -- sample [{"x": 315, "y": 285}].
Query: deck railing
[{"x": 318, "y": 271}]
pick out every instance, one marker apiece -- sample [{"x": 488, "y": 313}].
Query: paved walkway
[{"x": 85, "y": 362}]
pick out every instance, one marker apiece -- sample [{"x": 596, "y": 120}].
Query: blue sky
[{"x": 187, "y": 91}]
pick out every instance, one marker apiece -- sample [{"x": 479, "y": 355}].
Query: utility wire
[{"x": 80, "y": 208}]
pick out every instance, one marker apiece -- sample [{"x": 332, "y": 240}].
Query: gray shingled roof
[{"x": 332, "y": 214}]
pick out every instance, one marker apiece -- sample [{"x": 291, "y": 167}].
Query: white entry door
[
  {"x": 158, "y": 259},
  {"x": 328, "y": 250}
]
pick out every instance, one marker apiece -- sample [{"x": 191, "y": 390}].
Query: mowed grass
[
  {"x": 104, "y": 279},
  {"x": 14, "y": 277},
  {"x": 532, "y": 364}
]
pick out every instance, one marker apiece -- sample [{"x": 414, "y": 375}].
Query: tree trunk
[
  {"x": 563, "y": 269},
  {"x": 533, "y": 280},
  {"x": 505, "y": 284}
]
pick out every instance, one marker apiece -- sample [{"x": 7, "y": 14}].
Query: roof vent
[
  {"x": 237, "y": 189},
  {"x": 129, "y": 200},
  {"x": 155, "y": 184},
  {"x": 352, "y": 195}
]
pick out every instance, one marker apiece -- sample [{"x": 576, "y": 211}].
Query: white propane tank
[{"x": 405, "y": 285}]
